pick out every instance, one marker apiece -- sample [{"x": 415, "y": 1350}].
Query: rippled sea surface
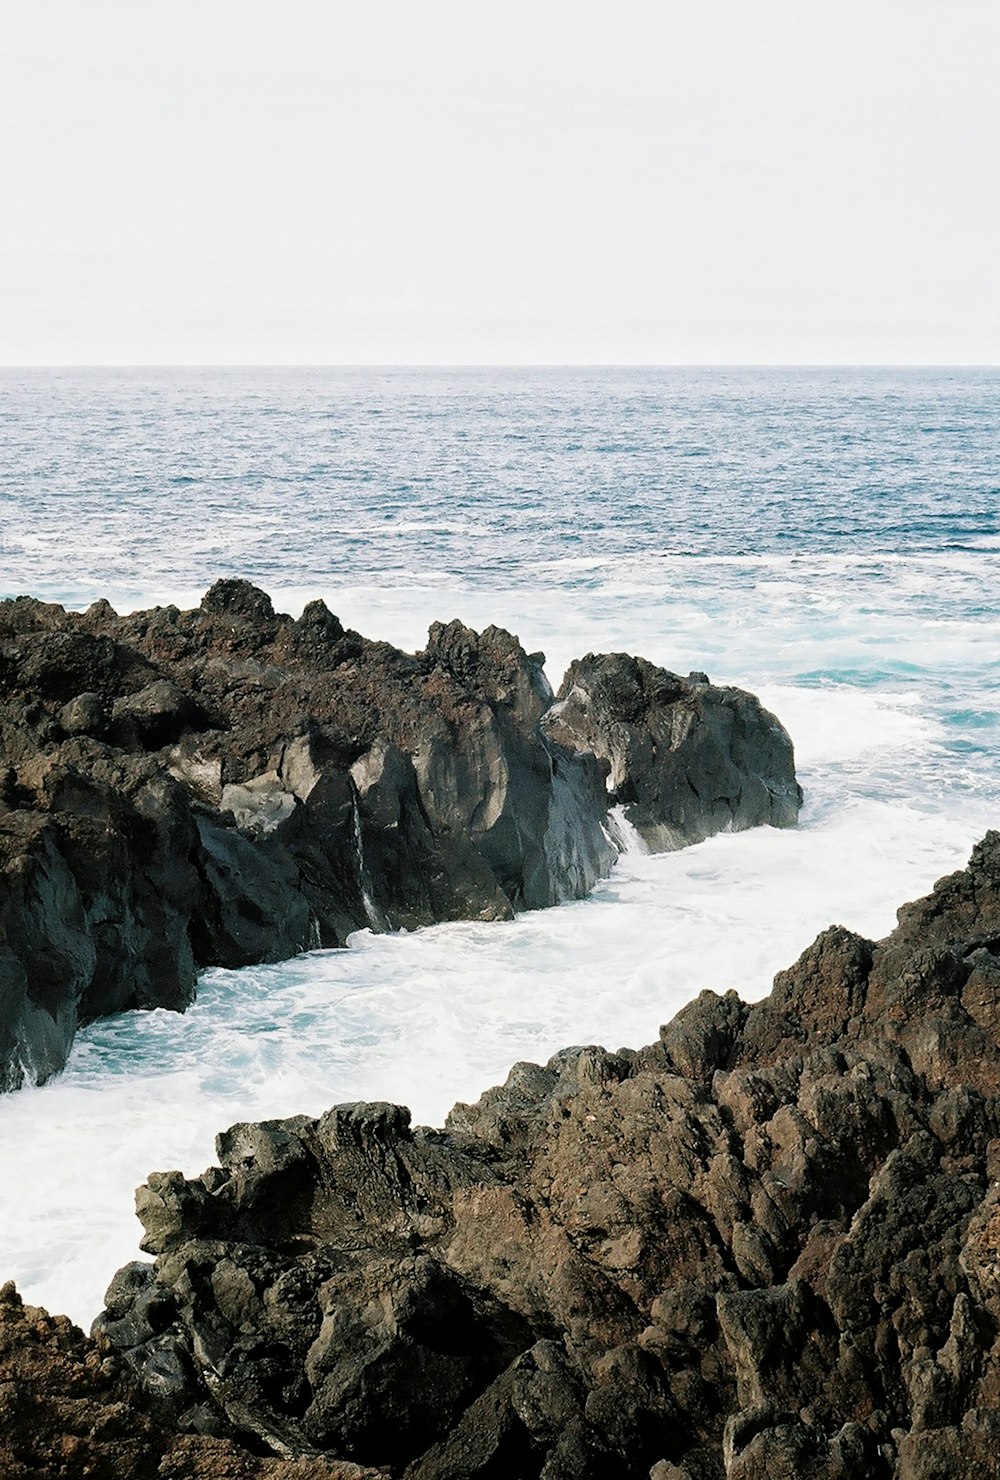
[{"x": 829, "y": 538}]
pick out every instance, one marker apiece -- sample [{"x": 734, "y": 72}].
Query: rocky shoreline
[
  {"x": 226, "y": 786},
  {"x": 766, "y": 1245}
]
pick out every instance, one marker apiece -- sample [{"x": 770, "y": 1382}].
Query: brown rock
[{"x": 767, "y": 1246}]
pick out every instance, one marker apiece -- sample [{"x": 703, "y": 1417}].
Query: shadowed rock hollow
[
  {"x": 766, "y": 1245},
  {"x": 225, "y": 786}
]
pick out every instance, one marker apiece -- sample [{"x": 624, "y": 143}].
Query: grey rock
[{"x": 686, "y": 759}]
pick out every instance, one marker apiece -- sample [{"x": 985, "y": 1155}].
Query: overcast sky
[{"x": 427, "y": 181}]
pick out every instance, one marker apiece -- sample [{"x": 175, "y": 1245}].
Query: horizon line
[{"x": 499, "y": 365}]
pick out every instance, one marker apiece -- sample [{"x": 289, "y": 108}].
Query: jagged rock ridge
[
  {"x": 226, "y": 786},
  {"x": 767, "y": 1245}
]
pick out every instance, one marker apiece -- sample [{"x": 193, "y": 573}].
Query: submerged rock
[
  {"x": 767, "y": 1245},
  {"x": 687, "y": 759},
  {"x": 226, "y": 786}
]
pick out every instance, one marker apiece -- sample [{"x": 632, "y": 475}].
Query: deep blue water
[{"x": 129, "y": 481}]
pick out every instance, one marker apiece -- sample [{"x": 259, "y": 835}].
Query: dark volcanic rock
[
  {"x": 226, "y": 786},
  {"x": 688, "y": 759},
  {"x": 98, "y": 889},
  {"x": 766, "y": 1246},
  {"x": 69, "y": 1412}
]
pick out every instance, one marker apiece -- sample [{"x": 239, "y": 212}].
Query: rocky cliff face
[
  {"x": 687, "y": 759},
  {"x": 226, "y": 786},
  {"x": 767, "y": 1245}
]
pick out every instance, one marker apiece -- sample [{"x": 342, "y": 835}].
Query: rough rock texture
[
  {"x": 226, "y": 786},
  {"x": 67, "y": 1410},
  {"x": 687, "y": 759},
  {"x": 767, "y": 1245}
]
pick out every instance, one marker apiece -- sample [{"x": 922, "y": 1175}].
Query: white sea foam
[
  {"x": 623, "y": 833},
  {"x": 837, "y": 724}
]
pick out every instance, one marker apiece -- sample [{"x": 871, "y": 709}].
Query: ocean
[{"x": 828, "y": 538}]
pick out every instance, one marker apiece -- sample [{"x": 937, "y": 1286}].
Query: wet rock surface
[
  {"x": 767, "y": 1245},
  {"x": 226, "y": 786},
  {"x": 687, "y": 758}
]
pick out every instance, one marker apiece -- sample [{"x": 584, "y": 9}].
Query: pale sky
[{"x": 424, "y": 181}]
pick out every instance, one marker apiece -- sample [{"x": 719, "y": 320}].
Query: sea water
[{"x": 827, "y": 538}]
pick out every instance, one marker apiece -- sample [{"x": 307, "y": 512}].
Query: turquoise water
[{"x": 830, "y": 539}]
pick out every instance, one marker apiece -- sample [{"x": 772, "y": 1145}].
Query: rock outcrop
[
  {"x": 766, "y": 1245},
  {"x": 687, "y": 759},
  {"x": 226, "y": 786},
  {"x": 67, "y": 1413}
]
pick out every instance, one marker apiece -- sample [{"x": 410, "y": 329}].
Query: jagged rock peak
[{"x": 238, "y": 598}]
